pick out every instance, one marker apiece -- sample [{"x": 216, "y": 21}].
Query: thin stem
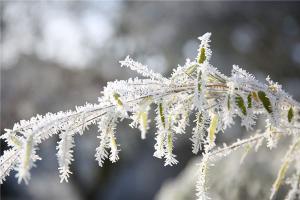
[{"x": 237, "y": 144}]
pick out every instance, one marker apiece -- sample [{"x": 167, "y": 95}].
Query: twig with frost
[{"x": 198, "y": 89}]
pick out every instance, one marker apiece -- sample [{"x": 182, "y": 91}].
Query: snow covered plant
[{"x": 197, "y": 89}]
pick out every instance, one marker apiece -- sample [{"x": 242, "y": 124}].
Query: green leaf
[
  {"x": 202, "y": 56},
  {"x": 170, "y": 142},
  {"x": 117, "y": 98},
  {"x": 199, "y": 117},
  {"x": 241, "y": 104},
  {"x": 249, "y": 99},
  {"x": 199, "y": 81},
  {"x": 265, "y": 101},
  {"x": 228, "y": 102},
  {"x": 254, "y": 96},
  {"x": 161, "y": 114},
  {"x": 212, "y": 128},
  {"x": 290, "y": 114},
  {"x": 191, "y": 69},
  {"x": 15, "y": 140}
]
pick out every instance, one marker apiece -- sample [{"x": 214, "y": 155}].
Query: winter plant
[{"x": 197, "y": 89}]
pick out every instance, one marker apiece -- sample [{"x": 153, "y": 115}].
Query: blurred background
[{"x": 55, "y": 55}]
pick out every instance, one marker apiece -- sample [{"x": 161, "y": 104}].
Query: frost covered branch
[{"x": 197, "y": 89}]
